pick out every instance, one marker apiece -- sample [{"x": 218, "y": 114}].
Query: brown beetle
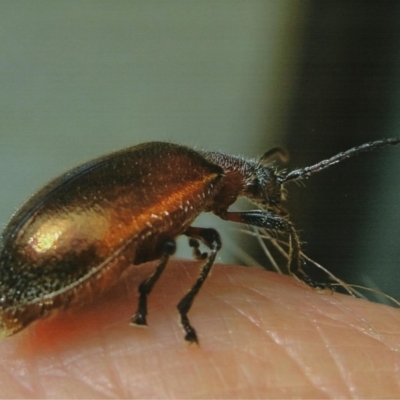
[{"x": 75, "y": 237}]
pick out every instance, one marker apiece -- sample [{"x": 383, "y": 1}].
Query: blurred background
[{"x": 80, "y": 79}]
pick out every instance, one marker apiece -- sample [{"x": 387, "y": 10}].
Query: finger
[{"x": 261, "y": 335}]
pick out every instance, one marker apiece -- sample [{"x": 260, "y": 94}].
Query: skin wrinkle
[
  {"x": 371, "y": 332},
  {"x": 220, "y": 374},
  {"x": 70, "y": 384},
  {"x": 240, "y": 386},
  {"x": 37, "y": 380},
  {"x": 125, "y": 358},
  {"x": 240, "y": 313},
  {"x": 347, "y": 377},
  {"x": 68, "y": 366},
  {"x": 114, "y": 378},
  {"x": 77, "y": 357},
  {"x": 206, "y": 294},
  {"x": 197, "y": 372},
  {"x": 58, "y": 376},
  {"x": 158, "y": 371},
  {"x": 398, "y": 383},
  {"x": 194, "y": 374},
  {"x": 118, "y": 356},
  {"x": 293, "y": 357},
  {"x": 274, "y": 300},
  {"x": 163, "y": 350},
  {"x": 138, "y": 382},
  {"x": 270, "y": 335},
  {"x": 394, "y": 315},
  {"x": 34, "y": 371},
  {"x": 226, "y": 385},
  {"x": 27, "y": 392},
  {"x": 11, "y": 392},
  {"x": 334, "y": 303},
  {"x": 354, "y": 315},
  {"x": 93, "y": 388},
  {"x": 315, "y": 323},
  {"x": 339, "y": 366}
]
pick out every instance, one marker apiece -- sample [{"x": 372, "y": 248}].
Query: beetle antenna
[{"x": 354, "y": 151}]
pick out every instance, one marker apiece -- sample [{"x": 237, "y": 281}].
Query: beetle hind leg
[{"x": 147, "y": 285}]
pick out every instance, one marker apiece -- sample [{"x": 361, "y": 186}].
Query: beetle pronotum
[{"x": 75, "y": 237}]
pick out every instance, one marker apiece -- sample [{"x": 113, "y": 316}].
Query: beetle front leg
[{"x": 271, "y": 221}]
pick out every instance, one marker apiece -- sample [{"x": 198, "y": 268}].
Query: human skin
[{"x": 262, "y": 335}]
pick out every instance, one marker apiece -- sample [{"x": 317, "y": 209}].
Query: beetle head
[{"x": 264, "y": 186}]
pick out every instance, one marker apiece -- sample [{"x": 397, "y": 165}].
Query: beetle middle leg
[
  {"x": 147, "y": 285},
  {"x": 211, "y": 238}
]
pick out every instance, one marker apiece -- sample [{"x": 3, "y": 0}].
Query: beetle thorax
[{"x": 246, "y": 178}]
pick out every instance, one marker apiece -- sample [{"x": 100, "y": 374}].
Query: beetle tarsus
[
  {"x": 191, "y": 335},
  {"x": 198, "y": 255},
  {"x": 139, "y": 319},
  {"x": 313, "y": 283}
]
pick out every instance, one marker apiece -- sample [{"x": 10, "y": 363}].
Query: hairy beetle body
[{"x": 75, "y": 237}]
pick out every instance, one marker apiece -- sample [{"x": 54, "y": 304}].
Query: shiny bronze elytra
[{"x": 75, "y": 237}]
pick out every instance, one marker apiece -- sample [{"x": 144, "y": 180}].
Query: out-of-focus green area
[{"x": 80, "y": 79}]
